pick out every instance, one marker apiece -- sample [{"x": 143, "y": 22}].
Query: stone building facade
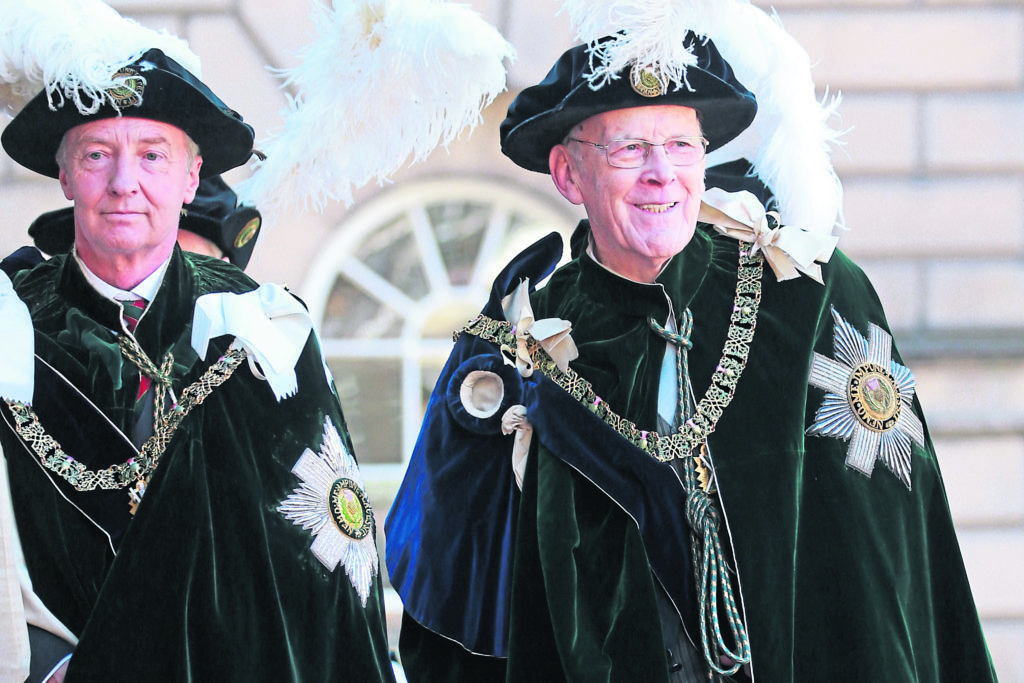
[{"x": 933, "y": 168}]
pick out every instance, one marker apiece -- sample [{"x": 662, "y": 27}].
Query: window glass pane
[
  {"x": 392, "y": 252},
  {"x": 447, "y": 318},
  {"x": 459, "y": 230},
  {"x": 370, "y": 391},
  {"x": 352, "y": 313},
  {"x": 429, "y": 372}
]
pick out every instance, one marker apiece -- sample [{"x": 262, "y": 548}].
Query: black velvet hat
[
  {"x": 213, "y": 214},
  {"x": 156, "y": 88},
  {"x": 542, "y": 115}
]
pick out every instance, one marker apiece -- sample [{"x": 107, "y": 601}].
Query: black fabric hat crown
[
  {"x": 213, "y": 214},
  {"x": 161, "y": 90},
  {"x": 542, "y": 115}
]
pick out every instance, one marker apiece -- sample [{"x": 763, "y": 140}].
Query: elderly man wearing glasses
[{"x": 670, "y": 462}]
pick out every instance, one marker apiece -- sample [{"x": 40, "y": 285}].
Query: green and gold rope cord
[{"x": 709, "y": 566}]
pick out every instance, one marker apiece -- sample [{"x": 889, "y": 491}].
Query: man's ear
[
  {"x": 563, "y": 173},
  {"x": 64, "y": 185},
  {"x": 193, "y": 179}
]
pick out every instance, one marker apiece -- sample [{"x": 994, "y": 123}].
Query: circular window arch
[{"x": 403, "y": 271}]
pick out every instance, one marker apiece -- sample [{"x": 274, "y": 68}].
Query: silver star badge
[
  {"x": 331, "y": 503},
  {"x": 868, "y": 401}
]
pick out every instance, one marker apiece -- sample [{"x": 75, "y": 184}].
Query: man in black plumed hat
[
  {"x": 181, "y": 477},
  {"x": 671, "y": 463}
]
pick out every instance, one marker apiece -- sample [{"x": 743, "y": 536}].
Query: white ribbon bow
[
  {"x": 789, "y": 250},
  {"x": 552, "y": 333},
  {"x": 271, "y": 325}
]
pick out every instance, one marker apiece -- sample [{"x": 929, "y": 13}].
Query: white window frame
[{"x": 337, "y": 257}]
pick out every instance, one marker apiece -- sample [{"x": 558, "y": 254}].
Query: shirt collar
[
  {"x": 593, "y": 256},
  {"x": 144, "y": 290}
]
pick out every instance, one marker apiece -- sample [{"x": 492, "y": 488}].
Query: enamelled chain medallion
[
  {"x": 331, "y": 503},
  {"x": 867, "y": 401}
]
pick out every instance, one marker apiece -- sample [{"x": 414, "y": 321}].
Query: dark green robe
[
  {"x": 209, "y": 581},
  {"x": 841, "y": 576}
]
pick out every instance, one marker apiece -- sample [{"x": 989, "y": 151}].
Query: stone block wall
[{"x": 933, "y": 94}]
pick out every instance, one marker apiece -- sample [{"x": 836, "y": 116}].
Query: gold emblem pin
[
  {"x": 246, "y": 234},
  {"x": 349, "y": 508},
  {"x": 645, "y": 82},
  {"x": 874, "y": 397},
  {"x": 129, "y": 93}
]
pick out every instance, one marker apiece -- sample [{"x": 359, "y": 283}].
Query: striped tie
[{"x": 133, "y": 309}]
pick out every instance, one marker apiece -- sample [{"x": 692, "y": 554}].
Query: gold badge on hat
[
  {"x": 129, "y": 93},
  {"x": 246, "y": 234},
  {"x": 645, "y": 82}
]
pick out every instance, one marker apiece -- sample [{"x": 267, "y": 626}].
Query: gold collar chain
[
  {"x": 137, "y": 469},
  {"x": 694, "y": 431}
]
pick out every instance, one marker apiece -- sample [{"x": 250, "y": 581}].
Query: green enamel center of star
[
  {"x": 874, "y": 397},
  {"x": 349, "y": 508}
]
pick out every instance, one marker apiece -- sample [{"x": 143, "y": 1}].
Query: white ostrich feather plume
[
  {"x": 789, "y": 142},
  {"x": 384, "y": 81},
  {"x": 646, "y": 32},
  {"x": 72, "y": 48}
]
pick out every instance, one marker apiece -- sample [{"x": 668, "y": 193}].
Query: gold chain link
[
  {"x": 710, "y": 408},
  {"x": 55, "y": 459}
]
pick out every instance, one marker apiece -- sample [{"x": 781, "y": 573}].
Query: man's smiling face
[{"x": 639, "y": 217}]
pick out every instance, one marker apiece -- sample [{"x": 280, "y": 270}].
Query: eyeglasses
[{"x": 684, "y": 151}]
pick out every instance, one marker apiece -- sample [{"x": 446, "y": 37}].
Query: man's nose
[
  {"x": 124, "y": 176},
  {"x": 657, "y": 168}
]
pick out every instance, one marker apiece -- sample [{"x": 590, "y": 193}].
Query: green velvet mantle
[
  {"x": 842, "y": 576},
  {"x": 209, "y": 582}
]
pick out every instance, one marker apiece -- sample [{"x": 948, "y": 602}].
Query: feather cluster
[
  {"x": 647, "y": 33},
  {"x": 385, "y": 81},
  {"x": 790, "y": 140},
  {"x": 72, "y": 48}
]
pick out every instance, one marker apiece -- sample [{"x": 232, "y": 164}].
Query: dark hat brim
[
  {"x": 542, "y": 115},
  {"x": 171, "y": 95}
]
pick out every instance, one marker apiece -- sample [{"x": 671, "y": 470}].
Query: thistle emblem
[
  {"x": 645, "y": 82},
  {"x": 129, "y": 92}
]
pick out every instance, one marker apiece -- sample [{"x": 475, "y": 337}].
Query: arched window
[{"x": 402, "y": 272}]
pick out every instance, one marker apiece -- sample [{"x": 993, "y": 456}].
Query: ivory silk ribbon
[
  {"x": 552, "y": 333},
  {"x": 789, "y": 250},
  {"x": 271, "y": 325}
]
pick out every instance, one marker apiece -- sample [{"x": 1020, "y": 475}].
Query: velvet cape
[
  {"x": 841, "y": 576},
  {"x": 209, "y": 580}
]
